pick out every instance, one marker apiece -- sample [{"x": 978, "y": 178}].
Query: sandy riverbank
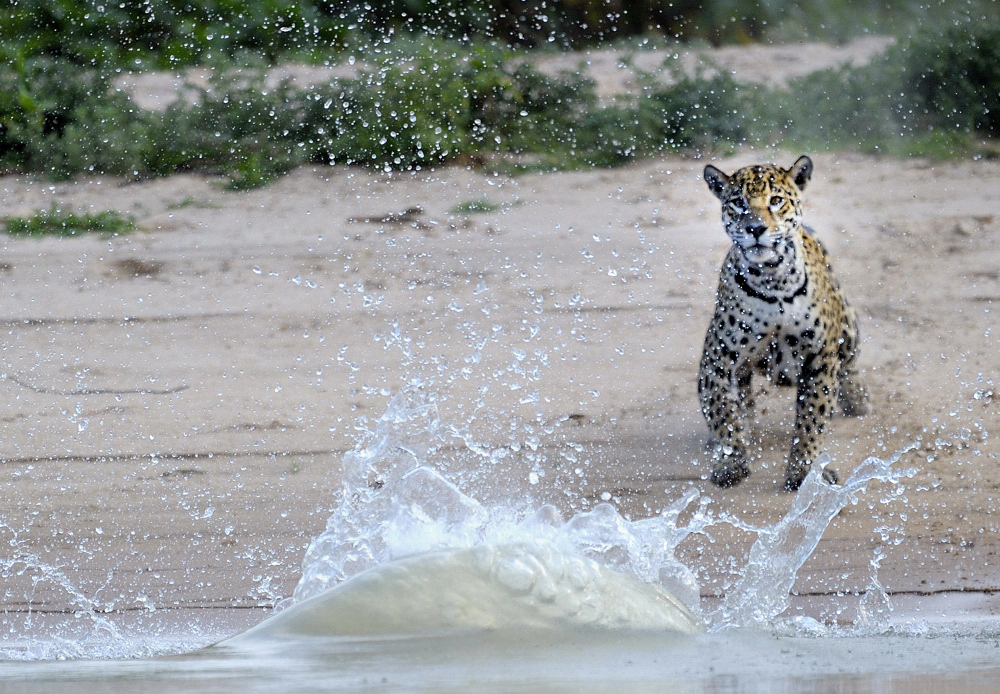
[{"x": 176, "y": 402}]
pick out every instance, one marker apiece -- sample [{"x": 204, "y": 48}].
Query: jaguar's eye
[
  {"x": 776, "y": 202},
  {"x": 737, "y": 207}
]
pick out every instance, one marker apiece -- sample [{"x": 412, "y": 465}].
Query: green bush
[
  {"x": 694, "y": 114},
  {"x": 837, "y": 107},
  {"x": 954, "y": 78},
  {"x": 61, "y": 119},
  {"x": 698, "y": 113},
  {"x": 56, "y": 222},
  {"x": 901, "y": 101},
  {"x": 427, "y": 101},
  {"x": 164, "y": 33},
  {"x": 445, "y": 100},
  {"x": 237, "y": 126},
  {"x": 534, "y": 112},
  {"x": 402, "y": 115},
  {"x": 176, "y": 33},
  {"x": 470, "y": 207}
]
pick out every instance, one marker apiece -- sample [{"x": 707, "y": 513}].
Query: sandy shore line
[{"x": 176, "y": 402}]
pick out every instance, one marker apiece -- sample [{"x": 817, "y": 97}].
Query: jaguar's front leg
[
  {"x": 744, "y": 385},
  {"x": 817, "y": 390},
  {"x": 719, "y": 389}
]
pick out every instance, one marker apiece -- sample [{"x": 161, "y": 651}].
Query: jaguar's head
[{"x": 761, "y": 206}]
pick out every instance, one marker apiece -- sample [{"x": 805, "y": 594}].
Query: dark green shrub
[
  {"x": 954, "y": 77},
  {"x": 470, "y": 207},
  {"x": 697, "y": 113},
  {"x": 164, "y": 33},
  {"x": 176, "y": 33},
  {"x": 428, "y": 101},
  {"x": 612, "y": 136},
  {"x": 397, "y": 117},
  {"x": 237, "y": 126},
  {"x": 62, "y": 119},
  {"x": 693, "y": 114},
  {"x": 837, "y": 107},
  {"x": 901, "y": 101},
  {"x": 443, "y": 101},
  {"x": 539, "y": 114}
]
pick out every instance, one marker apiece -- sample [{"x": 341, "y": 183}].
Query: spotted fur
[{"x": 779, "y": 311}]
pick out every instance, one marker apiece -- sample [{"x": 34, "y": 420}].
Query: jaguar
[{"x": 779, "y": 312}]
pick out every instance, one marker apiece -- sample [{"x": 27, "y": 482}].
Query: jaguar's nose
[{"x": 756, "y": 228}]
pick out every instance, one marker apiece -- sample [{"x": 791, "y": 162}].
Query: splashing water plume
[
  {"x": 93, "y": 633},
  {"x": 395, "y": 508},
  {"x": 762, "y": 592},
  {"x": 408, "y": 552}
]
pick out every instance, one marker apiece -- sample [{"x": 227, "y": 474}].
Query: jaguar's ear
[
  {"x": 801, "y": 171},
  {"x": 716, "y": 180}
]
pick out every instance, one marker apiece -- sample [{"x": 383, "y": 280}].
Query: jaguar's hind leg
[
  {"x": 813, "y": 408},
  {"x": 852, "y": 395}
]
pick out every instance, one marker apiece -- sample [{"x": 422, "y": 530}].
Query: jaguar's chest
[
  {"x": 750, "y": 315},
  {"x": 761, "y": 307}
]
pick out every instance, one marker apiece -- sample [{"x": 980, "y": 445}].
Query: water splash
[
  {"x": 91, "y": 632},
  {"x": 763, "y": 590},
  {"x": 875, "y": 608},
  {"x": 394, "y": 504},
  {"x": 398, "y": 509},
  {"x": 512, "y": 586}
]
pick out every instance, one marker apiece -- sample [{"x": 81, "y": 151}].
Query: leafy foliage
[
  {"x": 403, "y": 114},
  {"x": 423, "y": 102},
  {"x": 62, "y": 119},
  {"x": 479, "y": 206},
  {"x": 236, "y": 125},
  {"x": 164, "y": 33},
  {"x": 837, "y": 107},
  {"x": 902, "y": 101},
  {"x": 955, "y": 77},
  {"x": 56, "y": 222},
  {"x": 175, "y": 33}
]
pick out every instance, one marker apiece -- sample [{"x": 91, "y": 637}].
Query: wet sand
[{"x": 176, "y": 402}]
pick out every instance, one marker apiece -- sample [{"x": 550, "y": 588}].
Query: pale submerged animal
[{"x": 779, "y": 311}]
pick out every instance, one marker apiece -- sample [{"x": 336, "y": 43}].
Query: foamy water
[
  {"x": 395, "y": 505},
  {"x": 408, "y": 552}
]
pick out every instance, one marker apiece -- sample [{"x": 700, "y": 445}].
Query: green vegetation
[
  {"x": 56, "y": 222},
  {"x": 694, "y": 114},
  {"x": 59, "y": 119},
  {"x": 936, "y": 95},
  {"x": 955, "y": 77},
  {"x": 424, "y": 101},
  {"x": 174, "y": 33},
  {"x": 481, "y": 206},
  {"x": 167, "y": 33},
  {"x": 197, "y": 203}
]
